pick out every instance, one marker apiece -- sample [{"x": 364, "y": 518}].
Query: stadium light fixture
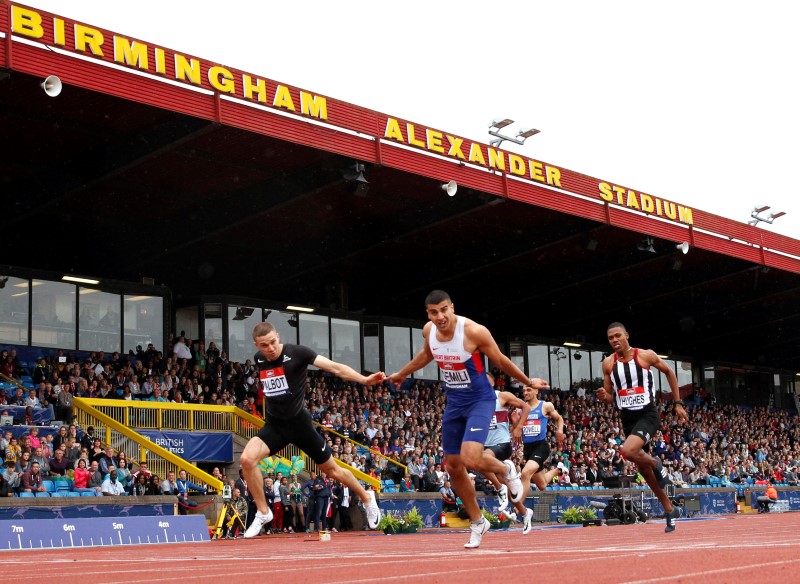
[
  {"x": 299, "y": 308},
  {"x": 79, "y": 280},
  {"x": 756, "y": 216},
  {"x": 646, "y": 245},
  {"x": 500, "y": 123}
]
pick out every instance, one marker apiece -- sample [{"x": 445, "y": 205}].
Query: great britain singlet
[
  {"x": 535, "y": 426},
  {"x": 633, "y": 385},
  {"x": 499, "y": 432},
  {"x": 463, "y": 373}
]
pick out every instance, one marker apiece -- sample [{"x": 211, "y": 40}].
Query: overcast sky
[{"x": 695, "y": 102}]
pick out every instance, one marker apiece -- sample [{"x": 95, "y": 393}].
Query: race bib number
[
  {"x": 455, "y": 375},
  {"x": 532, "y": 428},
  {"x": 499, "y": 417},
  {"x": 632, "y": 397},
  {"x": 493, "y": 423},
  {"x": 273, "y": 382}
]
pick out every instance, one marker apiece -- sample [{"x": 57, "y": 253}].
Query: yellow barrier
[
  {"x": 160, "y": 460},
  {"x": 147, "y": 415},
  {"x": 388, "y": 459}
]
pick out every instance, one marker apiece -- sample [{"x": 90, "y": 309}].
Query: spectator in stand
[
  {"x": 111, "y": 487},
  {"x": 13, "y": 450},
  {"x": 139, "y": 486},
  {"x": 449, "y": 502},
  {"x": 105, "y": 460},
  {"x": 24, "y": 462},
  {"x": 32, "y": 479},
  {"x": 183, "y": 486},
  {"x": 58, "y": 464},
  {"x": 154, "y": 485},
  {"x": 97, "y": 478},
  {"x": 12, "y": 477},
  {"x": 82, "y": 476}
]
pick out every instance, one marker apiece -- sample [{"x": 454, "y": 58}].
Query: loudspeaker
[
  {"x": 52, "y": 86},
  {"x": 450, "y": 188}
]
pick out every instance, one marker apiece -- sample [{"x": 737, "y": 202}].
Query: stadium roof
[{"x": 153, "y": 163}]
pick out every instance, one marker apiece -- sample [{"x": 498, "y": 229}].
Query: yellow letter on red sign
[
  {"x": 393, "y": 130},
  {"x": 130, "y": 53},
  {"x": 26, "y": 22},
  {"x": 221, "y": 79},
  {"x": 283, "y": 98},
  {"x": 88, "y": 37}
]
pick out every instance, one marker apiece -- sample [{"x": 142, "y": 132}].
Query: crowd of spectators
[{"x": 397, "y": 431}]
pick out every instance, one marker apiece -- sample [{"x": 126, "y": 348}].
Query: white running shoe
[
  {"x": 259, "y": 521},
  {"x": 502, "y": 497},
  {"x": 526, "y": 521},
  {"x": 511, "y": 515},
  {"x": 477, "y": 530},
  {"x": 373, "y": 511},
  {"x": 514, "y": 483}
]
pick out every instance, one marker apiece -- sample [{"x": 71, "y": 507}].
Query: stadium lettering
[
  {"x": 475, "y": 152},
  {"x": 645, "y": 203},
  {"x": 163, "y": 62}
]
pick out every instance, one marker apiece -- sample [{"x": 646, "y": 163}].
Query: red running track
[{"x": 738, "y": 548}]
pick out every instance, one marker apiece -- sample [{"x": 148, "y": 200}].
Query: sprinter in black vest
[
  {"x": 282, "y": 372},
  {"x": 629, "y": 385}
]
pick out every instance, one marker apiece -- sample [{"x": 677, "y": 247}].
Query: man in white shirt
[
  {"x": 180, "y": 350},
  {"x": 111, "y": 486}
]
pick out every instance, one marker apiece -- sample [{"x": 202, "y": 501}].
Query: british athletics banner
[{"x": 194, "y": 446}]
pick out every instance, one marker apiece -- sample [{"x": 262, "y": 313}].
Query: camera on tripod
[{"x": 226, "y": 494}]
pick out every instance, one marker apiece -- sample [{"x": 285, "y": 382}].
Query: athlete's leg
[
  {"x": 633, "y": 450},
  {"x": 252, "y": 454},
  {"x": 460, "y": 478}
]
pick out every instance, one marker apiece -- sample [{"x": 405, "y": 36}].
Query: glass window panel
[
  {"x": 684, "y": 374},
  {"x": 212, "y": 323},
  {"x": 314, "y": 333},
  {"x": 14, "y": 298},
  {"x": 538, "y": 362},
  {"x": 559, "y": 368},
  {"x": 597, "y": 369},
  {"x": 54, "y": 314},
  {"x": 372, "y": 347},
  {"x": 430, "y": 372},
  {"x": 662, "y": 383},
  {"x": 581, "y": 374},
  {"x": 516, "y": 353},
  {"x": 285, "y": 324},
  {"x": 144, "y": 322},
  {"x": 346, "y": 335},
  {"x": 241, "y": 320},
  {"x": 99, "y": 323},
  {"x": 396, "y": 347},
  {"x": 187, "y": 319}
]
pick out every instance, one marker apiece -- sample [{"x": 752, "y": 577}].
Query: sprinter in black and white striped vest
[{"x": 629, "y": 385}]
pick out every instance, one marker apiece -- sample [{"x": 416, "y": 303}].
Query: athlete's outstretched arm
[
  {"x": 346, "y": 372},
  {"x": 486, "y": 344},
  {"x": 418, "y": 362}
]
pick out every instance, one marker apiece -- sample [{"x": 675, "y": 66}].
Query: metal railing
[{"x": 146, "y": 415}]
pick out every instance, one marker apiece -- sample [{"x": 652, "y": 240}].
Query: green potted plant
[
  {"x": 495, "y": 521},
  {"x": 577, "y": 514},
  {"x": 413, "y": 521},
  {"x": 390, "y": 523}
]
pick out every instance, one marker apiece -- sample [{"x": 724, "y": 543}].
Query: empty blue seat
[
  {"x": 42, "y": 494},
  {"x": 49, "y": 485},
  {"x": 72, "y": 494},
  {"x": 26, "y": 494},
  {"x": 88, "y": 493}
]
